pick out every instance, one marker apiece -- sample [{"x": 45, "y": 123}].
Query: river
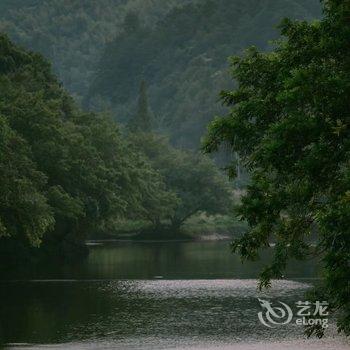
[{"x": 165, "y": 295}]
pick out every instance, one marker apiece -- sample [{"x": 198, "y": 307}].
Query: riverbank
[{"x": 197, "y": 228}]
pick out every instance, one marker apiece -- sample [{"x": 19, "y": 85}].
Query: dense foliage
[
  {"x": 192, "y": 179},
  {"x": 63, "y": 172},
  {"x": 289, "y": 123},
  {"x": 72, "y": 33},
  {"x": 178, "y": 46},
  {"x": 183, "y": 60},
  {"x": 192, "y": 182},
  {"x": 66, "y": 173}
]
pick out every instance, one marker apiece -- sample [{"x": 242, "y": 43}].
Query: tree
[
  {"x": 142, "y": 121},
  {"x": 194, "y": 181},
  {"x": 289, "y": 123},
  {"x": 24, "y": 212},
  {"x": 157, "y": 203},
  {"x": 73, "y": 39},
  {"x": 200, "y": 186},
  {"x": 65, "y": 173},
  {"x": 183, "y": 59}
]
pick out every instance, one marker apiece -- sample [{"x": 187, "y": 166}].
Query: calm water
[{"x": 152, "y": 296}]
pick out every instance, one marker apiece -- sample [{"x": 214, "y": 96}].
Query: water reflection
[
  {"x": 205, "y": 299},
  {"x": 179, "y": 260},
  {"x": 190, "y": 260}
]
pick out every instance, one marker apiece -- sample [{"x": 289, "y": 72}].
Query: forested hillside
[
  {"x": 72, "y": 33},
  {"x": 184, "y": 59},
  {"x": 66, "y": 173},
  {"x": 101, "y": 50},
  {"x": 63, "y": 173}
]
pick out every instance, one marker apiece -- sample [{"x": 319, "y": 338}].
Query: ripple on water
[
  {"x": 243, "y": 288},
  {"x": 148, "y": 344},
  {"x": 181, "y": 314}
]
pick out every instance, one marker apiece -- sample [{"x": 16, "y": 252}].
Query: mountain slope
[
  {"x": 179, "y": 47},
  {"x": 184, "y": 60},
  {"x": 72, "y": 33}
]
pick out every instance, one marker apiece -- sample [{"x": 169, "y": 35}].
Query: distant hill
[
  {"x": 101, "y": 50},
  {"x": 72, "y": 33},
  {"x": 184, "y": 59}
]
